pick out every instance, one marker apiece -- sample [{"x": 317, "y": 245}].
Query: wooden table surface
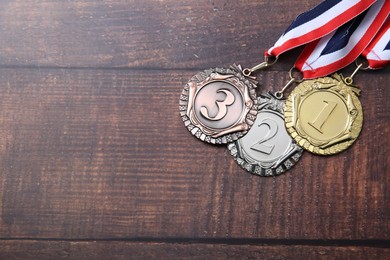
[{"x": 97, "y": 164}]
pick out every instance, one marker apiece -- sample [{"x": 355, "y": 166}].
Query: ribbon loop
[{"x": 378, "y": 52}]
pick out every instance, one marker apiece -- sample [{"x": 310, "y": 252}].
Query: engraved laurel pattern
[
  {"x": 336, "y": 83},
  {"x": 240, "y": 81}
]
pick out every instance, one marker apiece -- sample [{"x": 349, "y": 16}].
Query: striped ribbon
[
  {"x": 337, "y": 32},
  {"x": 344, "y": 45},
  {"x": 318, "y": 22},
  {"x": 378, "y": 52}
]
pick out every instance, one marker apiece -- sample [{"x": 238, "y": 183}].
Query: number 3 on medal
[
  {"x": 222, "y": 106},
  {"x": 273, "y": 129}
]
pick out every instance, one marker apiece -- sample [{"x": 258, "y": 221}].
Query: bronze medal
[
  {"x": 324, "y": 115},
  {"x": 219, "y": 105}
]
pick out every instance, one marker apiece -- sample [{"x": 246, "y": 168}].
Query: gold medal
[{"x": 324, "y": 115}]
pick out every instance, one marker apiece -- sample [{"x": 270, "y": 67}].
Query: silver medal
[
  {"x": 267, "y": 149},
  {"x": 219, "y": 105}
]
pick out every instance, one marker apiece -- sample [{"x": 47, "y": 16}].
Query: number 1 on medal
[{"x": 323, "y": 116}]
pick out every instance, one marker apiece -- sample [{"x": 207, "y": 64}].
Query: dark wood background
[{"x": 96, "y": 163}]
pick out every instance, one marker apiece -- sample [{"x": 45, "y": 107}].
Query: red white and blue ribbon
[
  {"x": 333, "y": 43},
  {"x": 341, "y": 47},
  {"x": 318, "y": 22},
  {"x": 378, "y": 52}
]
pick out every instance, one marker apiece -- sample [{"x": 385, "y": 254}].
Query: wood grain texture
[
  {"x": 103, "y": 154},
  {"x": 96, "y": 162},
  {"x": 138, "y": 33},
  {"x": 97, "y": 250}
]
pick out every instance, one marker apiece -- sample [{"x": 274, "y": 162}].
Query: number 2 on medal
[
  {"x": 222, "y": 106},
  {"x": 272, "y": 130}
]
